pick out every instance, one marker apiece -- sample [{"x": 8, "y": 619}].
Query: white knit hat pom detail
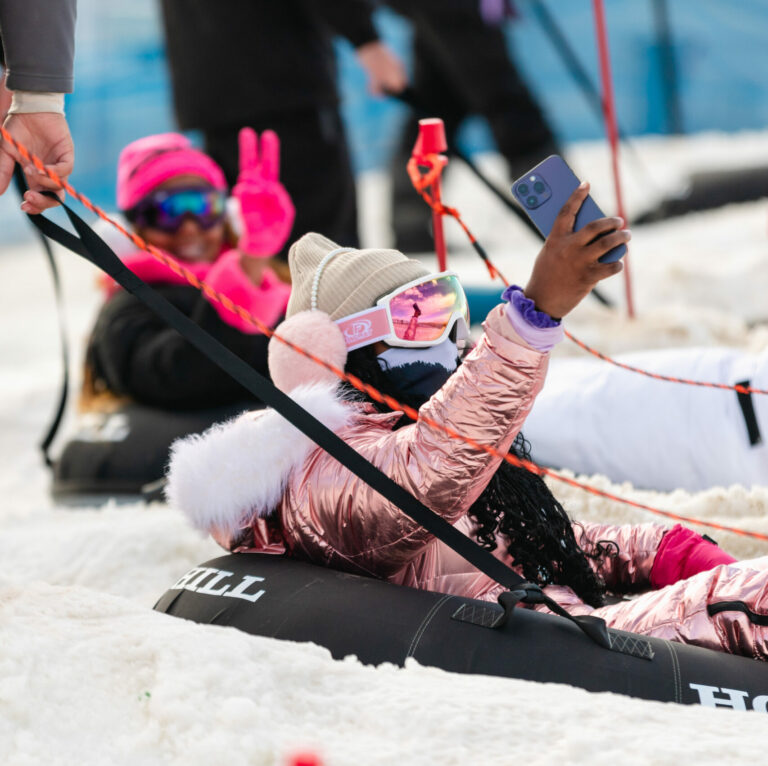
[{"x": 316, "y": 332}]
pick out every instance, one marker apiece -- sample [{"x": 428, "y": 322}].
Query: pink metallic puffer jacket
[{"x": 258, "y": 485}]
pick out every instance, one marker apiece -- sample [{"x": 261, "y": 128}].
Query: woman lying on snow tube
[
  {"x": 175, "y": 198},
  {"x": 256, "y": 485},
  {"x": 711, "y": 437}
]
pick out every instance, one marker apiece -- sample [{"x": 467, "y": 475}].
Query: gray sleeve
[{"x": 38, "y": 37}]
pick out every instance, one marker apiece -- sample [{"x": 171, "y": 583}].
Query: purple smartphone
[{"x": 543, "y": 191}]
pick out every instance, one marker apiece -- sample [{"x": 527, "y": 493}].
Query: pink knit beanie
[{"x": 147, "y": 162}]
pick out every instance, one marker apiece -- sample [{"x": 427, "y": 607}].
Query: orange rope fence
[
  {"x": 352, "y": 379},
  {"x": 669, "y": 378}
]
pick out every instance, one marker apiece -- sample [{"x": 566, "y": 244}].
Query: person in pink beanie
[{"x": 175, "y": 197}]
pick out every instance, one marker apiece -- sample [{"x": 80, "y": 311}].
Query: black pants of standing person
[
  {"x": 462, "y": 67},
  {"x": 315, "y": 168}
]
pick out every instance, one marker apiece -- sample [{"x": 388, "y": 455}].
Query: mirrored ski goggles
[
  {"x": 418, "y": 314},
  {"x": 166, "y": 209}
]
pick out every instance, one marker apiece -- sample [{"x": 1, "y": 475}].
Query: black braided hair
[{"x": 515, "y": 504}]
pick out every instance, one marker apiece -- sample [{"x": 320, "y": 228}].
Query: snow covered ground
[{"x": 90, "y": 675}]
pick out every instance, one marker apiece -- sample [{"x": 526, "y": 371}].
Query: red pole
[
  {"x": 431, "y": 141},
  {"x": 437, "y": 228},
  {"x": 612, "y": 131}
]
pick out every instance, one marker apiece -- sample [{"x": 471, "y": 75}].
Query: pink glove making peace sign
[{"x": 266, "y": 210}]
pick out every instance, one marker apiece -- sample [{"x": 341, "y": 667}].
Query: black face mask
[{"x": 420, "y": 372}]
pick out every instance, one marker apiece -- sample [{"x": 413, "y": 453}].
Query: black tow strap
[
  {"x": 737, "y": 606},
  {"x": 91, "y": 247},
  {"x": 53, "y": 428},
  {"x": 748, "y": 411}
]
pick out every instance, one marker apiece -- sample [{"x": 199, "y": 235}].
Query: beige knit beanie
[{"x": 351, "y": 281}]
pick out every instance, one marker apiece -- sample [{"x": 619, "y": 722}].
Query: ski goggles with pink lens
[{"x": 417, "y": 314}]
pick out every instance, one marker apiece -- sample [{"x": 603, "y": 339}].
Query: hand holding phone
[
  {"x": 569, "y": 264},
  {"x": 543, "y": 191}
]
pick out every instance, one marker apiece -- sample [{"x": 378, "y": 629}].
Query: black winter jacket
[{"x": 133, "y": 353}]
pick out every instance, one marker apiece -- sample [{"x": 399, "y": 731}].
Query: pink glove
[
  {"x": 266, "y": 302},
  {"x": 682, "y": 554},
  {"x": 266, "y": 210}
]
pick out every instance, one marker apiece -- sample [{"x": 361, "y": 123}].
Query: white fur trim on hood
[{"x": 239, "y": 468}]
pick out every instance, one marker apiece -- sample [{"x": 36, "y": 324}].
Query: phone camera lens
[
  {"x": 522, "y": 189},
  {"x": 538, "y": 187},
  {"x": 531, "y": 201}
]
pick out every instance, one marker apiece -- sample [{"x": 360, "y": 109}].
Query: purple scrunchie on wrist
[
  {"x": 514, "y": 294},
  {"x": 536, "y": 328}
]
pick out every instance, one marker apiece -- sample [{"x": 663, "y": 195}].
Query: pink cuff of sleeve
[
  {"x": 267, "y": 302},
  {"x": 682, "y": 554},
  {"x": 541, "y": 338}
]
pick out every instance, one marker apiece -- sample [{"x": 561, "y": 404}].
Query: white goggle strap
[{"x": 462, "y": 327}]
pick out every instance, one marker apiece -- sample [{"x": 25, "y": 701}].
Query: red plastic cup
[{"x": 431, "y": 139}]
